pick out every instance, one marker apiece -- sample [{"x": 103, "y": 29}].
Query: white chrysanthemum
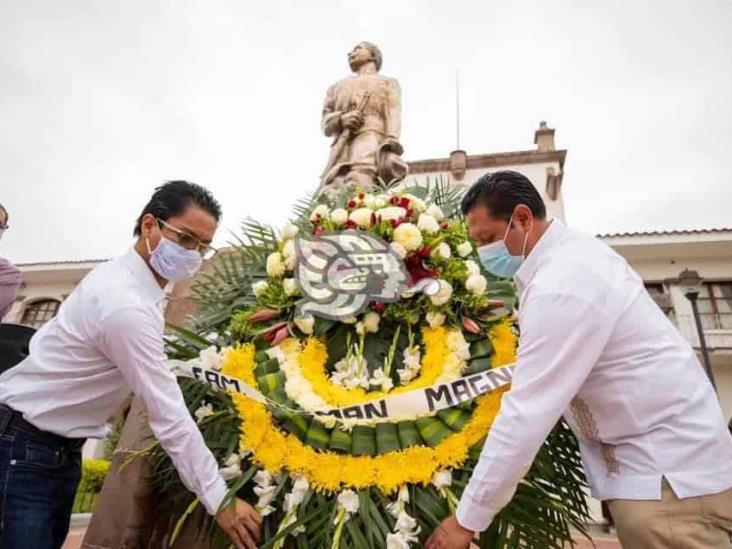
[
  {"x": 320, "y": 212},
  {"x": 476, "y": 284},
  {"x": 348, "y": 500},
  {"x": 408, "y": 236},
  {"x": 275, "y": 265},
  {"x": 472, "y": 267},
  {"x": 435, "y": 211},
  {"x": 371, "y": 321},
  {"x": 290, "y": 257},
  {"x": 210, "y": 358},
  {"x": 370, "y": 201},
  {"x": 361, "y": 217},
  {"x": 435, "y": 319},
  {"x": 428, "y": 224},
  {"x": 441, "y": 251},
  {"x": 394, "y": 213},
  {"x": 260, "y": 287},
  {"x": 381, "y": 201},
  {"x": 290, "y": 231},
  {"x": 442, "y": 479},
  {"x": 290, "y": 286},
  {"x": 203, "y": 411},
  {"x": 305, "y": 324},
  {"x": 339, "y": 216},
  {"x": 398, "y": 249},
  {"x": 417, "y": 204},
  {"x": 443, "y": 295},
  {"x": 464, "y": 249}
]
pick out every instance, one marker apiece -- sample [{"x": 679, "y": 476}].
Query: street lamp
[{"x": 691, "y": 285}]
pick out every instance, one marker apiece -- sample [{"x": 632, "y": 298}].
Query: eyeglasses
[{"x": 188, "y": 241}]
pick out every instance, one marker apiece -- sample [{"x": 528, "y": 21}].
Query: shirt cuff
[
  {"x": 214, "y": 497},
  {"x": 473, "y": 516}
]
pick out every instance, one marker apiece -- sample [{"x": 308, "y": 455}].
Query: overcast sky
[{"x": 100, "y": 101}]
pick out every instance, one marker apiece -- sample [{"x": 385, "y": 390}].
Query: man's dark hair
[
  {"x": 174, "y": 197},
  {"x": 501, "y": 192}
]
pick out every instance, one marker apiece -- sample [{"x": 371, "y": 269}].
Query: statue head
[{"x": 362, "y": 53}]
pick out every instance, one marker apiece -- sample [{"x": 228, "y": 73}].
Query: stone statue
[{"x": 362, "y": 113}]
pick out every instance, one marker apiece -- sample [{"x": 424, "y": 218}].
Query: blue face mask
[
  {"x": 496, "y": 258},
  {"x": 172, "y": 261}
]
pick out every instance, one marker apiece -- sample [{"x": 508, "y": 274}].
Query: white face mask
[{"x": 172, "y": 261}]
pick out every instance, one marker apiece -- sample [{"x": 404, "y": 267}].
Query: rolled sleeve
[
  {"x": 133, "y": 341},
  {"x": 562, "y": 338}
]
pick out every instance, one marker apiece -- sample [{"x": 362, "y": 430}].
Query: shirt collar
[
  {"x": 548, "y": 240},
  {"x": 144, "y": 276}
]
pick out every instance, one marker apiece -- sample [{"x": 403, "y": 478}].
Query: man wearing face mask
[
  {"x": 106, "y": 340},
  {"x": 595, "y": 348},
  {"x": 10, "y": 277}
]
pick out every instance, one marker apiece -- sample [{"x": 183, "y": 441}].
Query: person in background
[
  {"x": 106, "y": 340},
  {"x": 595, "y": 348},
  {"x": 10, "y": 277}
]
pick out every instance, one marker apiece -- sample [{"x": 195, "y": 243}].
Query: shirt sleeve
[
  {"x": 10, "y": 279},
  {"x": 562, "y": 338},
  {"x": 132, "y": 339}
]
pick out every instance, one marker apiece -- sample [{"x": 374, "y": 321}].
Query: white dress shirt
[
  {"x": 106, "y": 340},
  {"x": 595, "y": 347}
]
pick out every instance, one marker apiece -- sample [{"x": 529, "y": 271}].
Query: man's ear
[
  {"x": 147, "y": 225},
  {"x": 523, "y": 218}
]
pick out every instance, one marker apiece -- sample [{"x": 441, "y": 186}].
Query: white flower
[
  {"x": 412, "y": 364},
  {"x": 360, "y": 328},
  {"x": 435, "y": 211},
  {"x": 290, "y": 231},
  {"x": 231, "y": 468},
  {"x": 295, "y": 497},
  {"x": 349, "y": 319},
  {"x": 290, "y": 286},
  {"x": 403, "y": 495},
  {"x": 406, "y": 523},
  {"x": 417, "y": 204},
  {"x": 288, "y": 252},
  {"x": 370, "y": 201},
  {"x": 473, "y": 267},
  {"x": 210, "y": 358},
  {"x": 361, "y": 217},
  {"x": 464, "y": 249},
  {"x": 442, "y": 479},
  {"x": 476, "y": 284},
  {"x": 443, "y": 295},
  {"x": 427, "y": 223},
  {"x": 398, "y": 249},
  {"x": 435, "y": 319},
  {"x": 397, "y": 541},
  {"x": 348, "y": 500},
  {"x": 408, "y": 236},
  {"x": 203, "y": 411},
  {"x": 379, "y": 379},
  {"x": 441, "y": 251},
  {"x": 305, "y": 324},
  {"x": 381, "y": 201},
  {"x": 371, "y": 321},
  {"x": 339, "y": 216},
  {"x": 260, "y": 287},
  {"x": 394, "y": 213},
  {"x": 275, "y": 265},
  {"x": 263, "y": 477},
  {"x": 320, "y": 212}
]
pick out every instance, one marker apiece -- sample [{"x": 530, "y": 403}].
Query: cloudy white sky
[{"x": 102, "y": 100}]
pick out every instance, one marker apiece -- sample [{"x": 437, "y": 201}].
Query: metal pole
[{"x": 702, "y": 342}]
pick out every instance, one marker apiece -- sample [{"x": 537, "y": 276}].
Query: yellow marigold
[{"x": 504, "y": 341}]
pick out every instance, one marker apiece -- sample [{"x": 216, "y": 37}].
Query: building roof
[
  {"x": 669, "y": 232},
  {"x": 480, "y": 161},
  {"x": 60, "y": 263}
]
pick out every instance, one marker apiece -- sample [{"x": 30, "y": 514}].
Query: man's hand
[
  {"x": 241, "y": 523},
  {"x": 352, "y": 120},
  {"x": 450, "y": 535}
]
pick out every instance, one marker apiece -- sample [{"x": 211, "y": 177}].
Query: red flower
[
  {"x": 409, "y": 213},
  {"x": 352, "y": 204},
  {"x": 395, "y": 223},
  {"x": 417, "y": 269},
  {"x": 445, "y": 226},
  {"x": 378, "y": 306},
  {"x": 361, "y": 196},
  {"x": 424, "y": 252},
  {"x": 404, "y": 202},
  {"x": 471, "y": 325},
  {"x": 350, "y": 224},
  {"x": 276, "y": 334},
  {"x": 373, "y": 218},
  {"x": 394, "y": 200}
]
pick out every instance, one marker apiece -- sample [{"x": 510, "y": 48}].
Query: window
[
  {"x": 39, "y": 312},
  {"x": 715, "y": 305},
  {"x": 657, "y": 291}
]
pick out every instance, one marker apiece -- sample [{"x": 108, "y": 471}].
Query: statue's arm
[
  {"x": 331, "y": 120},
  {"x": 393, "y": 110}
]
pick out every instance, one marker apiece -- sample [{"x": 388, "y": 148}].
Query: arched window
[{"x": 39, "y": 312}]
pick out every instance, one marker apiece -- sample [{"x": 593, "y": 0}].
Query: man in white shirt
[
  {"x": 106, "y": 340},
  {"x": 595, "y": 348}
]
